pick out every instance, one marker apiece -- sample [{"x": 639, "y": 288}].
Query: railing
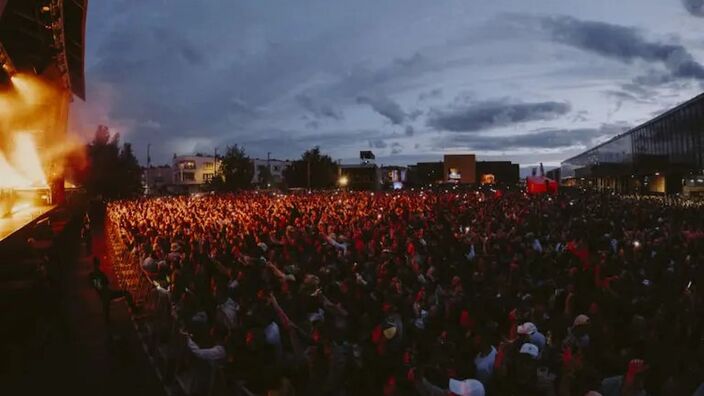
[{"x": 128, "y": 271}]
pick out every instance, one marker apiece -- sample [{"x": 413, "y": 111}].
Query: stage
[{"x": 23, "y": 215}]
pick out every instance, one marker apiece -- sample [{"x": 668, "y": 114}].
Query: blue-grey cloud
[
  {"x": 377, "y": 143},
  {"x": 319, "y": 110},
  {"x": 541, "y": 139},
  {"x": 625, "y": 44},
  {"x": 291, "y": 143},
  {"x": 396, "y": 148},
  {"x": 386, "y": 107},
  {"x": 290, "y": 70},
  {"x": 492, "y": 114},
  {"x": 622, "y": 96},
  {"x": 432, "y": 94},
  {"x": 413, "y": 115},
  {"x": 695, "y": 7},
  {"x": 313, "y": 124}
]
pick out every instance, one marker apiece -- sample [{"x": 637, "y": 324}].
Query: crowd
[{"x": 442, "y": 293}]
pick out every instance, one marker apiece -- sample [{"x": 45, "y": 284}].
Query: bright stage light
[
  {"x": 30, "y": 90},
  {"x": 23, "y": 87},
  {"x": 343, "y": 181}
]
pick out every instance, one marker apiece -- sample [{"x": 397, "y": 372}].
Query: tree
[
  {"x": 112, "y": 173},
  {"x": 314, "y": 170},
  {"x": 236, "y": 171},
  {"x": 264, "y": 177},
  {"x": 130, "y": 172}
]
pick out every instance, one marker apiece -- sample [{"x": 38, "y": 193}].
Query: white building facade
[
  {"x": 190, "y": 172},
  {"x": 157, "y": 179},
  {"x": 276, "y": 169}
]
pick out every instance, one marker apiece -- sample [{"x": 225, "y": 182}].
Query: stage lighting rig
[
  {"x": 6, "y": 62},
  {"x": 53, "y": 11}
]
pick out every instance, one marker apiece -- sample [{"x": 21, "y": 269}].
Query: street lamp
[{"x": 343, "y": 181}]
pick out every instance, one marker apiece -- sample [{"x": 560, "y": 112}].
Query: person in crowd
[
  {"x": 101, "y": 284},
  {"x": 442, "y": 292}
]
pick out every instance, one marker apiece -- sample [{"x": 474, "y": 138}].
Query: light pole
[
  {"x": 149, "y": 166},
  {"x": 215, "y": 161},
  {"x": 268, "y": 167}
]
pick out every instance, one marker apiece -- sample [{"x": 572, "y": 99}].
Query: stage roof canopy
[{"x": 44, "y": 37}]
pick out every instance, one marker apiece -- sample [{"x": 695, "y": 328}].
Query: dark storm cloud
[
  {"x": 432, "y": 94},
  {"x": 220, "y": 71},
  {"x": 394, "y": 75},
  {"x": 640, "y": 91},
  {"x": 319, "y": 110},
  {"x": 313, "y": 124},
  {"x": 396, "y": 148},
  {"x": 413, "y": 115},
  {"x": 622, "y": 96},
  {"x": 492, "y": 114},
  {"x": 580, "y": 116},
  {"x": 542, "y": 139},
  {"x": 378, "y": 143},
  {"x": 625, "y": 44},
  {"x": 292, "y": 143},
  {"x": 695, "y": 7},
  {"x": 386, "y": 107}
]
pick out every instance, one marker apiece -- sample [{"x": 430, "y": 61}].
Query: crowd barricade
[{"x": 159, "y": 329}]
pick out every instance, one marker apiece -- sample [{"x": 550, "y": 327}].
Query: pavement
[{"x": 61, "y": 343}]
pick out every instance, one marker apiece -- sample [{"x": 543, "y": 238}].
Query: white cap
[
  {"x": 527, "y": 328},
  {"x": 530, "y": 349},
  {"x": 581, "y": 320},
  {"x": 468, "y": 387}
]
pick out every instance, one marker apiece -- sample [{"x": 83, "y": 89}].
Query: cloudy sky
[{"x": 528, "y": 81}]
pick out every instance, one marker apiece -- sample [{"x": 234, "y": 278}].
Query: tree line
[{"x": 113, "y": 171}]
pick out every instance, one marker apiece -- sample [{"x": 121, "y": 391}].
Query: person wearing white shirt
[
  {"x": 484, "y": 364},
  {"x": 216, "y": 354}
]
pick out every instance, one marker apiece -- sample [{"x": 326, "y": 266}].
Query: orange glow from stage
[
  {"x": 33, "y": 139},
  {"x": 22, "y": 168},
  {"x": 30, "y": 90}
]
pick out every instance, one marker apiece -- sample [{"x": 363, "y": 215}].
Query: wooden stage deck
[{"x": 21, "y": 218}]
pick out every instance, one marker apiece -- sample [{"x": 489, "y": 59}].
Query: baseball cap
[
  {"x": 581, "y": 320},
  {"x": 389, "y": 332},
  {"x": 468, "y": 387},
  {"x": 530, "y": 349},
  {"x": 527, "y": 328}
]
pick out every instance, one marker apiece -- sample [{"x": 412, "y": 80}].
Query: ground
[{"x": 61, "y": 344}]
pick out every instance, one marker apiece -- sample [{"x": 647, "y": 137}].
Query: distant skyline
[{"x": 409, "y": 79}]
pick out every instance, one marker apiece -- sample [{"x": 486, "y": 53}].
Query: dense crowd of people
[{"x": 431, "y": 293}]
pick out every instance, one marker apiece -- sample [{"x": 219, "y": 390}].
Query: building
[
  {"x": 191, "y": 172},
  {"x": 460, "y": 168},
  {"x": 497, "y": 172},
  {"x": 393, "y": 177},
  {"x": 554, "y": 174},
  {"x": 363, "y": 176},
  {"x": 157, "y": 179},
  {"x": 275, "y": 168},
  {"x": 656, "y": 157},
  {"x": 424, "y": 173},
  {"x": 360, "y": 177}
]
